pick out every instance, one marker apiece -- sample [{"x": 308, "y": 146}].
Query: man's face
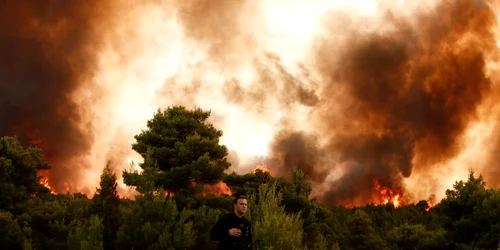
[{"x": 241, "y": 206}]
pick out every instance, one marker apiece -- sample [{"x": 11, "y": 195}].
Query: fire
[
  {"x": 349, "y": 205},
  {"x": 431, "y": 202},
  {"x": 262, "y": 167},
  {"x": 388, "y": 195},
  {"x": 68, "y": 188},
  {"x": 220, "y": 188},
  {"x": 45, "y": 182}
]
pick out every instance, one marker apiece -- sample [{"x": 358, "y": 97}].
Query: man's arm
[{"x": 220, "y": 230}]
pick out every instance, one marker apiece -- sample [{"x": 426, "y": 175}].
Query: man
[{"x": 233, "y": 231}]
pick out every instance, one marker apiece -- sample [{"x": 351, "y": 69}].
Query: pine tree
[
  {"x": 106, "y": 205},
  {"x": 272, "y": 226},
  {"x": 87, "y": 235},
  {"x": 184, "y": 147}
]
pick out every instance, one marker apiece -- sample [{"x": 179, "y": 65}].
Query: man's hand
[{"x": 235, "y": 232}]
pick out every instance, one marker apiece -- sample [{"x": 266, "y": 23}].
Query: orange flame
[
  {"x": 45, "y": 182},
  {"x": 169, "y": 193},
  {"x": 349, "y": 205},
  {"x": 262, "y": 167},
  {"x": 220, "y": 188},
  {"x": 431, "y": 202},
  {"x": 388, "y": 195}
]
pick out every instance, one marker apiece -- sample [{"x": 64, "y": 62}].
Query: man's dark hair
[{"x": 239, "y": 197}]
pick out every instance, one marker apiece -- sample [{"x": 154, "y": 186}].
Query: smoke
[
  {"x": 303, "y": 84},
  {"x": 48, "y": 52},
  {"x": 222, "y": 27},
  {"x": 274, "y": 83},
  {"x": 407, "y": 93},
  {"x": 299, "y": 150}
]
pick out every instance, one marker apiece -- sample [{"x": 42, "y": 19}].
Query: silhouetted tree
[
  {"x": 107, "y": 206},
  {"x": 19, "y": 177},
  {"x": 184, "y": 148}
]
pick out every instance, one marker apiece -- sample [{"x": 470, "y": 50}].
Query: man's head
[{"x": 240, "y": 205}]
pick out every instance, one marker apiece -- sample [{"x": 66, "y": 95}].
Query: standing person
[{"x": 233, "y": 231}]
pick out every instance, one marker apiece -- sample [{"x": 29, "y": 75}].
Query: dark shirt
[{"x": 220, "y": 233}]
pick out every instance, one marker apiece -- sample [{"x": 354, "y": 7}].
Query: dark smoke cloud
[
  {"x": 407, "y": 92},
  {"x": 274, "y": 84},
  {"x": 48, "y": 52},
  {"x": 299, "y": 150}
]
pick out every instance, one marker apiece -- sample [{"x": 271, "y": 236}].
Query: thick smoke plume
[
  {"x": 396, "y": 96},
  {"x": 48, "y": 53},
  {"x": 350, "y": 106}
]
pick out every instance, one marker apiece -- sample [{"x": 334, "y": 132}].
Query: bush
[{"x": 273, "y": 228}]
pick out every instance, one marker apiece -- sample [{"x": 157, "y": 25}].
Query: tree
[
  {"x": 272, "y": 226},
  {"x": 361, "y": 234},
  {"x": 19, "y": 168},
  {"x": 11, "y": 234},
  {"x": 247, "y": 183},
  {"x": 107, "y": 206},
  {"x": 295, "y": 192},
  {"x": 203, "y": 219},
  {"x": 154, "y": 222},
  {"x": 472, "y": 213},
  {"x": 87, "y": 236},
  {"x": 416, "y": 237},
  {"x": 185, "y": 148}
]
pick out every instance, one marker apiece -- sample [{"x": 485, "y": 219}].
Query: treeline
[{"x": 182, "y": 155}]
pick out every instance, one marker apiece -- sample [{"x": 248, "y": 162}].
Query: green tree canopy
[
  {"x": 406, "y": 237},
  {"x": 295, "y": 192},
  {"x": 272, "y": 226},
  {"x": 361, "y": 234},
  {"x": 472, "y": 213},
  {"x": 19, "y": 168},
  {"x": 107, "y": 207},
  {"x": 247, "y": 183},
  {"x": 184, "y": 147}
]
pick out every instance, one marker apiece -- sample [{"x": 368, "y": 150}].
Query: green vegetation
[{"x": 182, "y": 155}]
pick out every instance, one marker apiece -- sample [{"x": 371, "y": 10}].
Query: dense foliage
[{"x": 181, "y": 145}]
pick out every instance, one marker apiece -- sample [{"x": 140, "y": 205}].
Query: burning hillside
[{"x": 403, "y": 94}]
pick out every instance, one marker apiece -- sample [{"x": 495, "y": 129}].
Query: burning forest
[{"x": 374, "y": 103}]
